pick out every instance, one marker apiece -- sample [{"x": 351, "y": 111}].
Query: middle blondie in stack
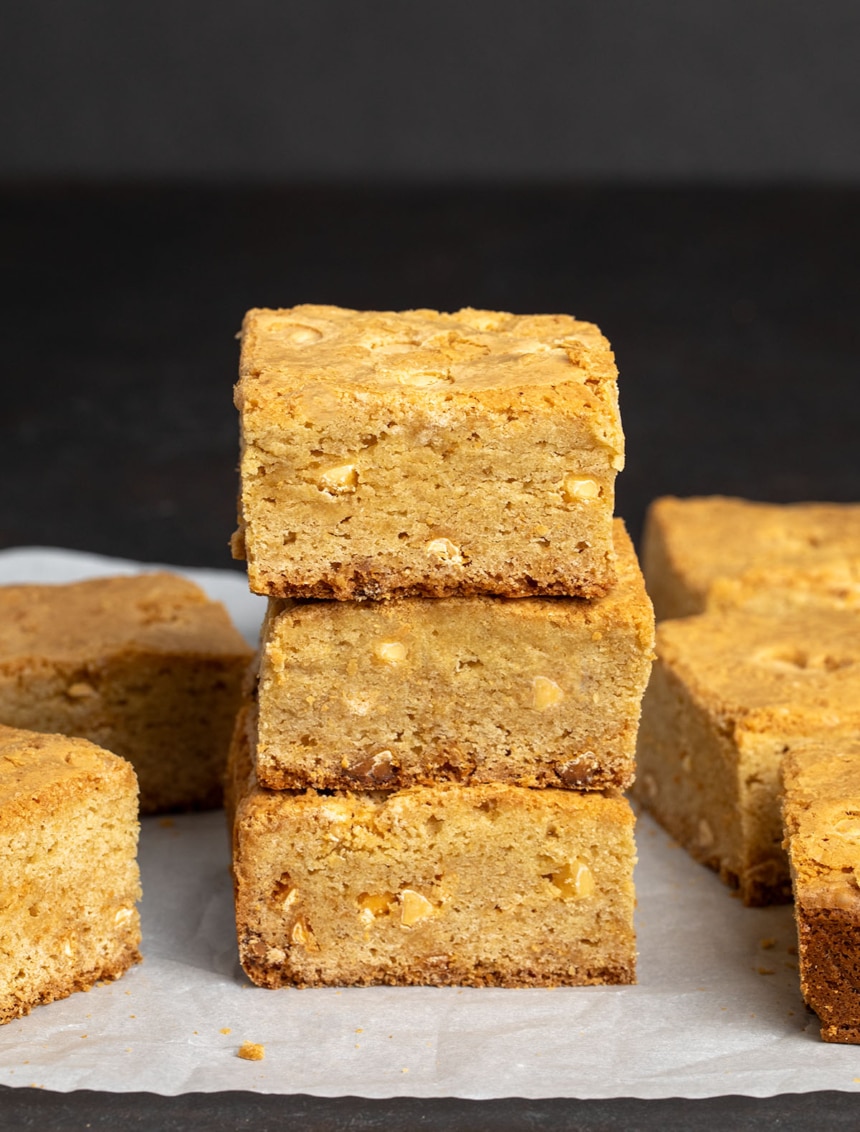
[{"x": 425, "y": 785}]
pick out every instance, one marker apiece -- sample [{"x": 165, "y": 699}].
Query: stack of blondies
[{"x": 425, "y": 782}]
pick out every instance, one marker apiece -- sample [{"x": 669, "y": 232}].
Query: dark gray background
[{"x": 557, "y": 90}]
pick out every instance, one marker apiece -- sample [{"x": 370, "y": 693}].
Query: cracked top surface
[
  {"x": 503, "y": 360},
  {"x": 822, "y": 813},
  {"x": 707, "y": 537},
  {"x": 31, "y": 762},
  {"x": 157, "y": 612},
  {"x": 771, "y": 673}
]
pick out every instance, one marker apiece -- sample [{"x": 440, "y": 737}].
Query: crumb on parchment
[{"x": 251, "y": 1051}]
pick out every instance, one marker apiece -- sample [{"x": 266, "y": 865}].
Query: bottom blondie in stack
[
  {"x": 387, "y": 825},
  {"x": 448, "y": 884}
]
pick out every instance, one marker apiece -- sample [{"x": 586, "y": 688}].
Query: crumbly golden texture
[
  {"x": 529, "y": 691},
  {"x": 821, "y": 810},
  {"x": 145, "y": 666},
  {"x": 486, "y": 885},
  {"x": 68, "y": 870},
  {"x": 426, "y": 454},
  {"x": 729, "y": 694},
  {"x": 714, "y": 551},
  {"x": 251, "y": 1051}
]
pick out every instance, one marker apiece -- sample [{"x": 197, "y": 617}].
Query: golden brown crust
[
  {"x": 423, "y": 351},
  {"x": 792, "y": 673},
  {"x": 443, "y": 971},
  {"x": 351, "y": 583},
  {"x": 580, "y": 771},
  {"x": 808, "y": 550},
  {"x": 72, "y": 623},
  {"x": 41, "y": 765},
  {"x": 424, "y": 454}
]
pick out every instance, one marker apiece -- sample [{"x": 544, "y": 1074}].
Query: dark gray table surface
[{"x": 733, "y": 316}]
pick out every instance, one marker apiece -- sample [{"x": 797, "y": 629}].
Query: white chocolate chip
[
  {"x": 390, "y": 652},
  {"x": 649, "y": 786},
  {"x": 302, "y": 335},
  {"x": 705, "y": 834},
  {"x": 299, "y": 934},
  {"x": 545, "y": 693},
  {"x": 445, "y": 550},
  {"x": 375, "y": 904},
  {"x": 528, "y": 346},
  {"x": 341, "y": 480},
  {"x": 842, "y": 894},
  {"x": 847, "y": 828},
  {"x": 413, "y": 908},
  {"x": 576, "y": 489},
  {"x": 80, "y": 690},
  {"x": 358, "y": 705},
  {"x": 123, "y": 915},
  {"x": 422, "y": 379},
  {"x": 574, "y": 880}
]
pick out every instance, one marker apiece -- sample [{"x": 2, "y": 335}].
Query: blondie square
[
  {"x": 730, "y": 694},
  {"x": 68, "y": 870},
  {"x": 145, "y": 666},
  {"x": 426, "y": 454},
  {"x": 529, "y": 691},
  {"x": 487, "y": 885},
  {"x": 712, "y": 550},
  {"x": 821, "y": 809}
]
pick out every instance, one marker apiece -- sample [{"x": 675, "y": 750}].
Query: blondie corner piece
[
  {"x": 426, "y": 454},
  {"x": 382, "y": 695},
  {"x": 730, "y": 694},
  {"x": 717, "y": 552},
  {"x": 68, "y": 870},
  {"x": 822, "y": 826},
  {"x": 452, "y": 885},
  {"x": 146, "y": 666}
]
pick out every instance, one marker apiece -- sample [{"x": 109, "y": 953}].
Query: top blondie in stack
[{"x": 385, "y": 830}]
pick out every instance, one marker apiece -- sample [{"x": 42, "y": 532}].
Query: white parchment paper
[{"x": 717, "y": 1009}]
